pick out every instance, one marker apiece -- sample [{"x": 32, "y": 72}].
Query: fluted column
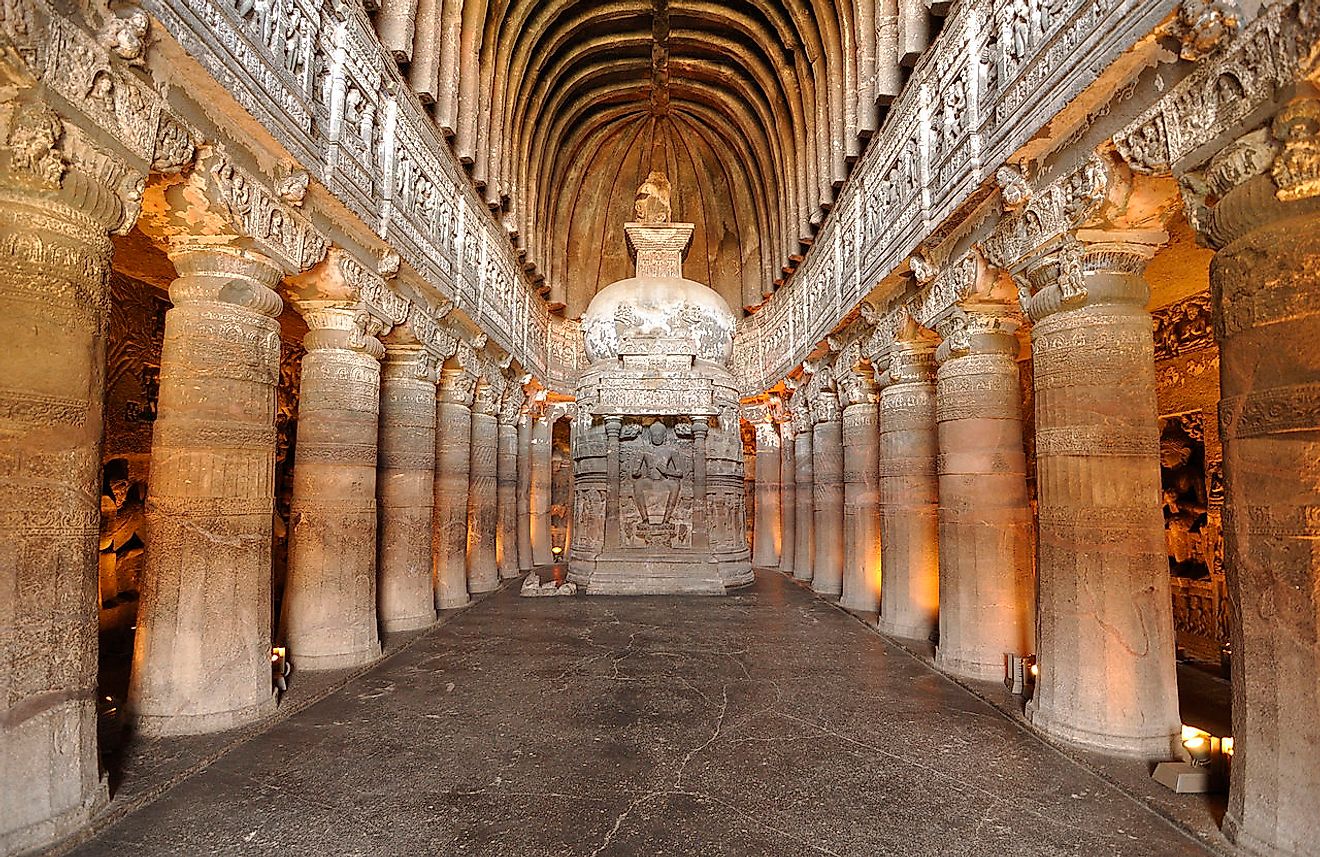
[
  {"x": 987, "y": 588},
  {"x": 406, "y": 483},
  {"x": 201, "y": 659},
  {"x": 787, "y": 498},
  {"x": 804, "y": 544},
  {"x": 765, "y": 532},
  {"x": 827, "y": 492},
  {"x": 909, "y": 490},
  {"x": 483, "y": 574},
  {"x": 329, "y": 614},
  {"x": 506, "y": 486},
  {"x": 525, "y": 561},
  {"x": 453, "y": 460},
  {"x": 542, "y": 450},
  {"x": 1267, "y": 304},
  {"x": 1105, "y": 646},
  {"x": 54, "y": 260},
  {"x": 861, "y": 492}
]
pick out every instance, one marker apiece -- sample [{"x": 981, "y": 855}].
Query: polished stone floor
[{"x": 766, "y": 723}]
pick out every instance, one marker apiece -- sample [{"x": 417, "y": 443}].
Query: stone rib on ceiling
[{"x": 756, "y": 108}]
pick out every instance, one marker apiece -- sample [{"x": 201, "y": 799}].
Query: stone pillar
[
  {"x": 329, "y": 614},
  {"x": 525, "y": 561},
  {"x": 1105, "y": 645},
  {"x": 827, "y": 491},
  {"x": 861, "y": 492},
  {"x": 613, "y": 428},
  {"x": 453, "y": 460},
  {"x": 201, "y": 659},
  {"x": 987, "y": 588},
  {"x": 506, "y": 486},
  {"x": 909, "y": 489},
  {"x": 542, "y": 449},
  {"x": 765, "y": 532},
  {"x": 804, "y": 544},
  {"x": 483, "y": 574},
  {"x": 406, "y": 483},
  {"x": 700, "y": 498},
  {"x": 54, "y": 260},
  {"x": 1267, "y": 302},
  {"x": 787, "y": 498}
]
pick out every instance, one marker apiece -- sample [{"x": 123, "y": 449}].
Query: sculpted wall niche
[{"x": 657, "y": 455}]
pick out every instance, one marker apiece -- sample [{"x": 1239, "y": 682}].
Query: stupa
[{"x": 657, "y": 457}]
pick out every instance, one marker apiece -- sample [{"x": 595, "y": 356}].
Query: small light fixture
[{"x": 556, "y": 550}]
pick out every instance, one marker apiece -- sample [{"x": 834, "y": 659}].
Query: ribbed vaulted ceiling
[{"x": 754, "y": 108}]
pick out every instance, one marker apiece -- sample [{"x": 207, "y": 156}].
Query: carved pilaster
[
  {"x": 1265, "y": 227},
  {"x": 56, "y": 213},
  {"x": 482, "y": 567},
  {"x": 1101, "y": 533},
  {"x": 804, "y": 555},
  {"x": 541, "y": 461},
  {"x": 453, "y": 461},
  {"x": 827, "y": 493},
  {"x": 909, "y": 489},
  {"x": 506, "y": 479},
  {"x": 406, "y": 482},
  {"x": 986, "y": 586},
  {"x": 329, "y": 615},
  {"x": 861, "y": 494},
  {"x": 525, "y": 560},
  {"x": 210, "y": 500},
  {"x": 766, "y": 531},
  {"x": 787, "y": 496}
]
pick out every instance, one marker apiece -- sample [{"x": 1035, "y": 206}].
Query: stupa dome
[{"x": 658, "y": 311}]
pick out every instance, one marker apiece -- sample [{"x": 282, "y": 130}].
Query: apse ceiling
[{"x": 754, "y": 108}]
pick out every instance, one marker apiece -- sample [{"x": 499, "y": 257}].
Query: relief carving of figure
[
  {"x": 1182, "y": 480},
  {"x": 656, "y": 476},
  {"x": 652, "y": 204}
]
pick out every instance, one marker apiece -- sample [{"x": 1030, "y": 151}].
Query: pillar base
[
  {"x": 829, "y": 591},
  {"x": 905, "y": 630},
  {"x": 340, "y": 661},
  {"x": 51, "y": 830},
  {"x": 479, "y": 590},
  {"x": 862, "y": 608},
  {"x": 410, "y": 623},
  {"x": 174, "y": 725},
  {"x": 1148, "y": 747},
  {"x": 802, "y": 574},
  {"x": 968, "y": 668},
  {"x": 455, "y": 604},
  {"x": 512, "y": 574}
]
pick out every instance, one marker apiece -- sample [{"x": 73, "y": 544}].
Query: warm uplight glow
[
  {"x": 277, "y": 654},
  {"x": 1226, "y": 746},
  {"x": 1035, "y": 670}
]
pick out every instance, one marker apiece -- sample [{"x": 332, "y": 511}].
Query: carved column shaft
[
  {"x": 506, "y": 479},
  {"x": 329, "y": 619},
  {"x": 804, "y": 545},
  {"x": 861, "y": 503},
  {"x": 787, "y": 498},
  {"x": 827, "y": 494},
  {"x": 765, "y": 532},
  {"x": 613, "y": 428},
  {"x": 483, "y": 573},
  {"x": 202, "y": 651},
  {"x": 525, "y": 560},
  {"x": 54, "y": 261},
  {"x": 1105, "y": 644},
  {"x": 987, "y": 590},
  {"x": 909, "y": 494},
  {"x": 453, "y": 460},
  {"x": 700, "y": 499},
  {"x": 1266, "y": 287},
  {"x": 406, "y": 486},
  {"x": 542, "y": 449}
]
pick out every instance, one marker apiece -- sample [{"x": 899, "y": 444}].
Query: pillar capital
[
  {"x": 511, "y": 406},
  {"x": 457, "y": 386},
  {"x": 912, "y": 354},
  {"x": 826, "y": 407},
  {"x": 979, "y": 328},
  {"x": 486, "y": 399},
  {"x": 218, "y": 203},
  {"x": 1089, "y": 267},
  {"x": 407, "y": 359},
  {"x": 226, "y": 274}
]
